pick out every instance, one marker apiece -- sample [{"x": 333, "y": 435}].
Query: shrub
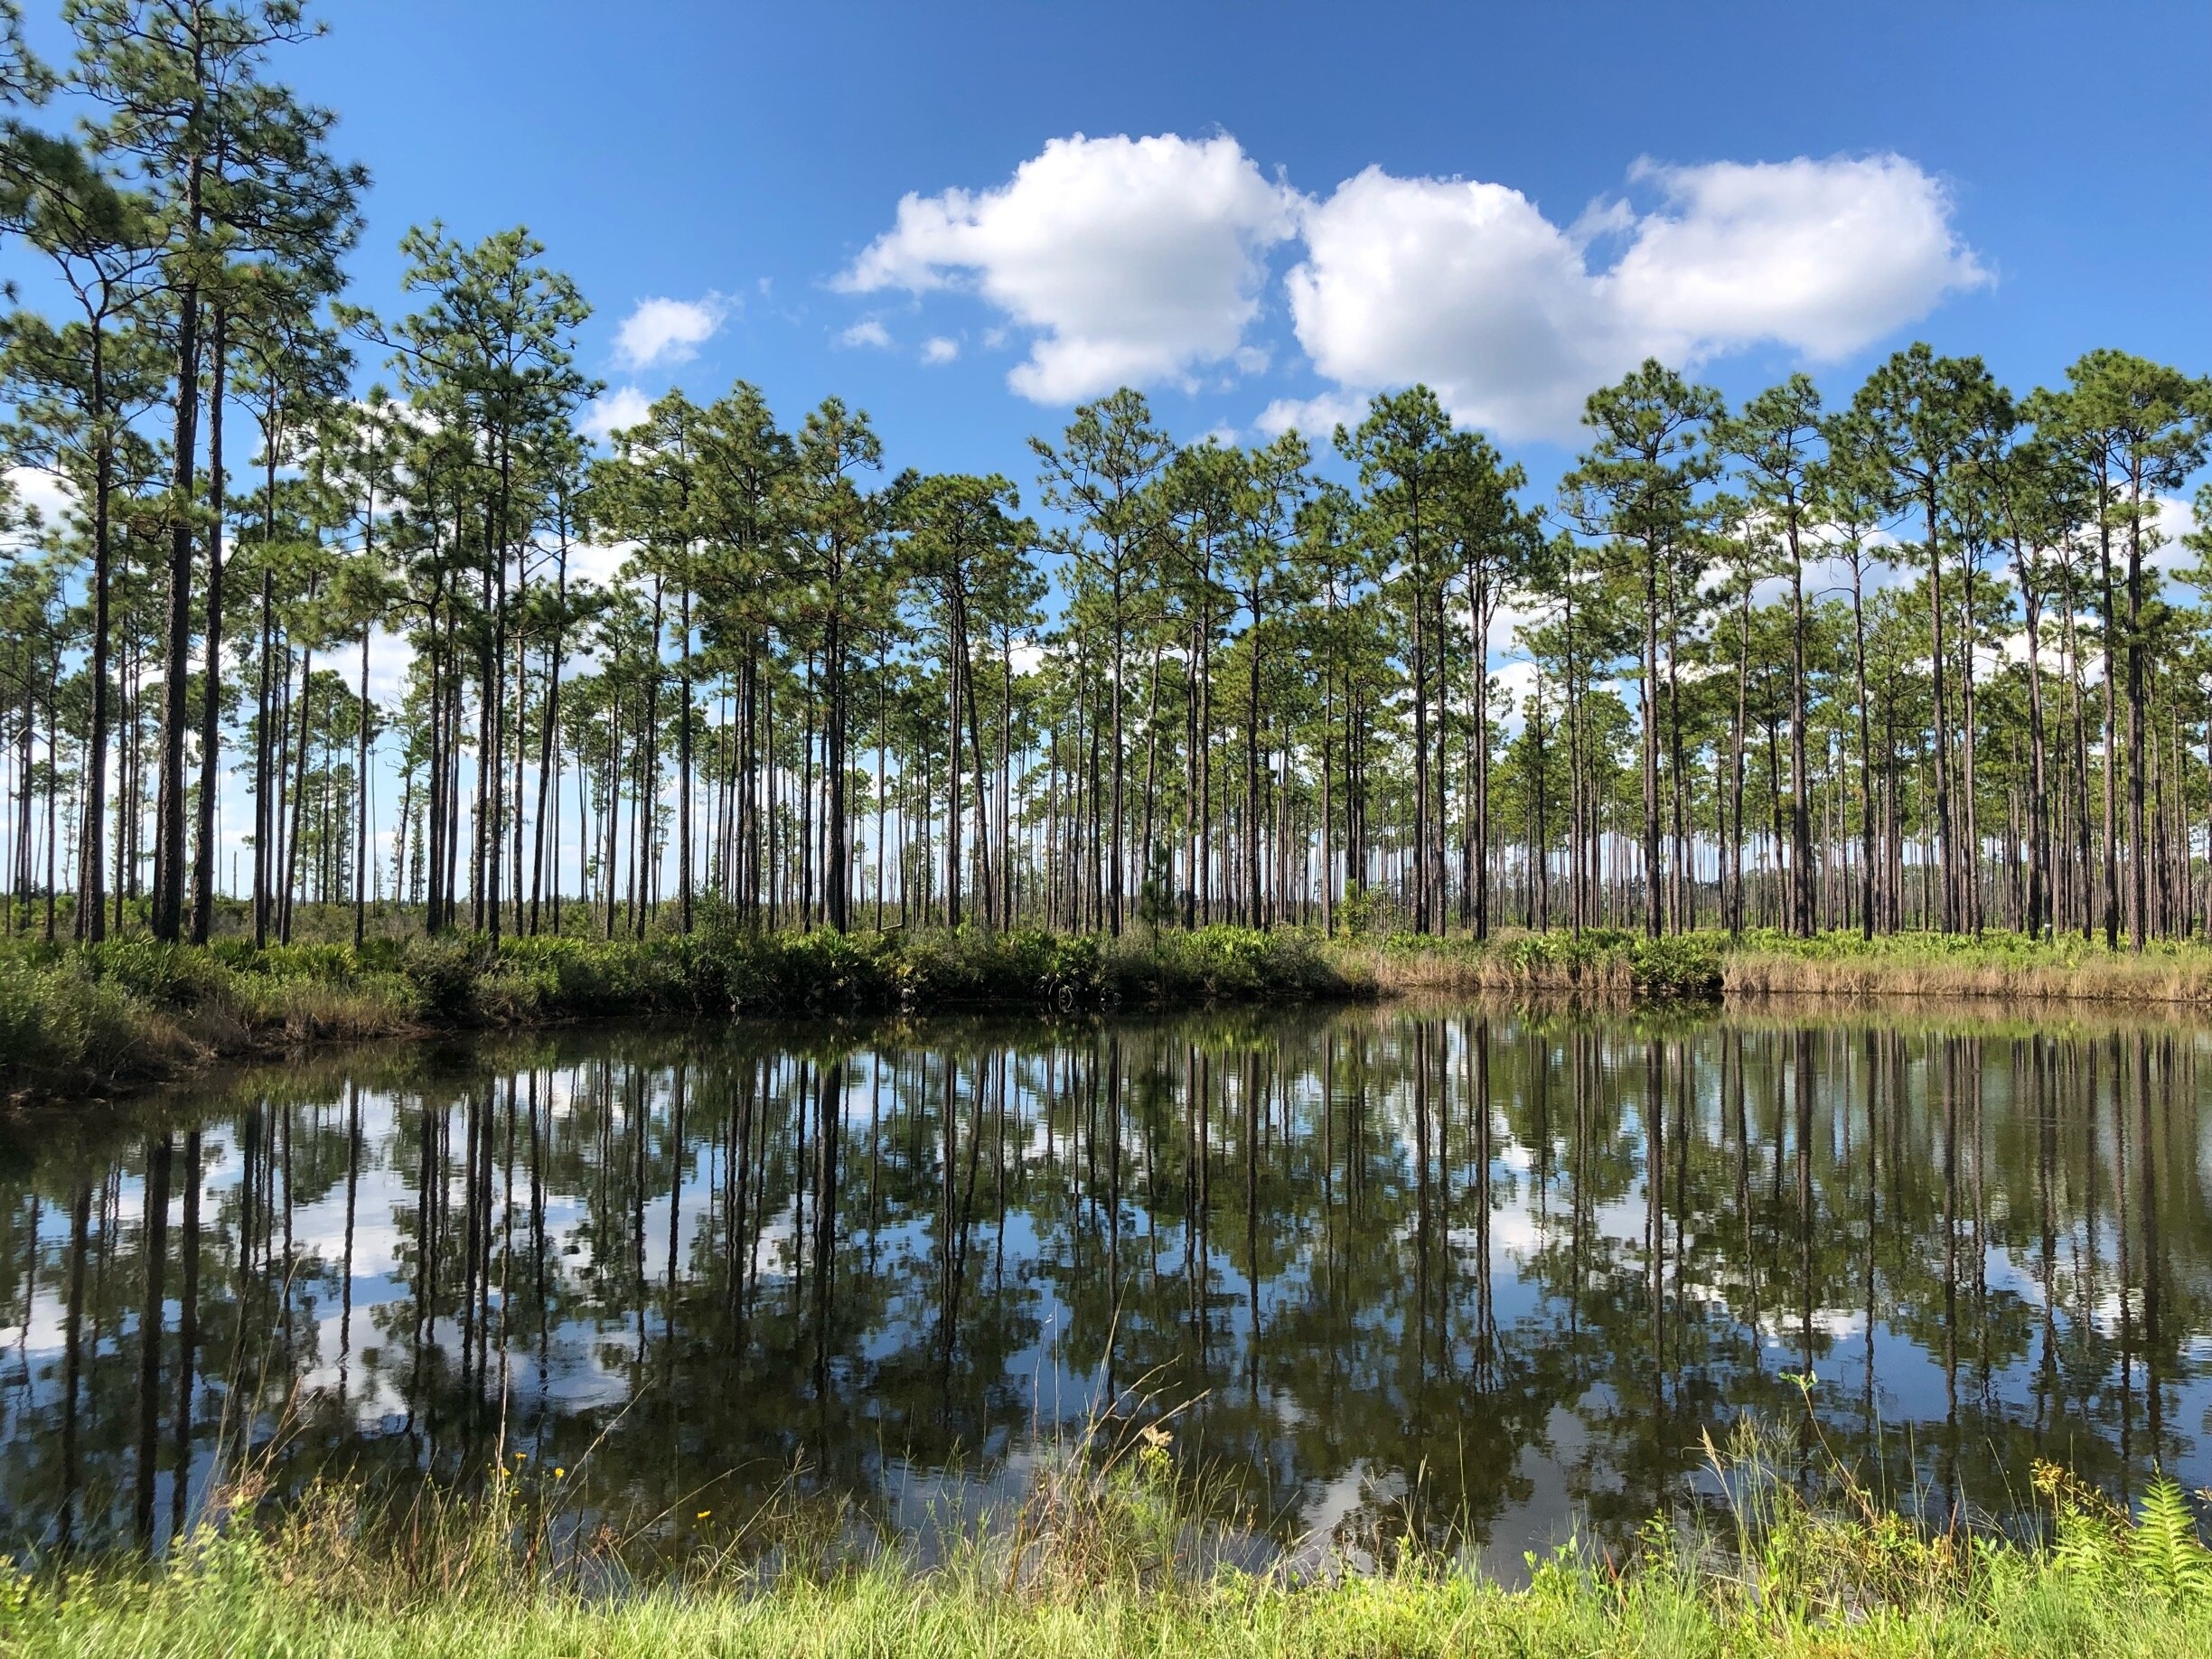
[
  {"x": 1680, "y": 967},
  {"x": 65, "y": 1025},
  {"x": 442, "y": 973},
  {"x": 168, "y": 976}
]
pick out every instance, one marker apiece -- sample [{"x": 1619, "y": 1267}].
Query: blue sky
[{"x": 2022, "y": 181}]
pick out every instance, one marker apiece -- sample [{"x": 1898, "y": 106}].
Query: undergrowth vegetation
[
  {"x": 1610, "y": 962},
  {"x": 1107, "y": 1555},
  {"x": 131, "y": 1010},
  {"x": 88, "y": 1018},
  {"x": 1618, "y": 964},
  {"x": 2065, "y": 966}
]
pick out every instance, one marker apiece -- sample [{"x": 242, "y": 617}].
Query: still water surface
[{"x": 1486, "y": 1272}]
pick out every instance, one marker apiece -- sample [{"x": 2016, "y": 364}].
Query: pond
[{"x": 1485, "y": 1272}]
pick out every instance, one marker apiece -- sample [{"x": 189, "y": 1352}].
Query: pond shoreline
[
  {"x": 98, "y": 1021},
  {"x": 80, "y": 1023},
  {"x": 1714, "y": 967}
]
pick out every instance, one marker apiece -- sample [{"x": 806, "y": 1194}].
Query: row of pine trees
[{"x": 1920, "y": 660}]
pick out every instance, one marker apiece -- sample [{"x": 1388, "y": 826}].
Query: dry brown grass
[
  {"x": 2165, "y": 978},
  {"x": 1609, "y": 967},
  {"x": 1399, "y": 972}
]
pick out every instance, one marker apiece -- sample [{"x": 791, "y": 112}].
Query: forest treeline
[{"x": 1918, "y": 660}]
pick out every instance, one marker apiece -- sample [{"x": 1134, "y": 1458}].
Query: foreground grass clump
[
  {"x": 1104, "y": 1557},
  {"x": 129, "y": 1010}
]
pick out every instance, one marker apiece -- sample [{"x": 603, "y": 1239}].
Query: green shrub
[
  {"x": 66, "y": 1026},
  {"x": 1680, "y": 967},
  {"x": 443, "y": 973},
  {"x": 130, "y": 1008},
  {"x": 168, "y": 976}
]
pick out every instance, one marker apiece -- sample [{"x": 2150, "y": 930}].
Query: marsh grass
[
  {"x": 1604, "y": 965},
  {"x": 1992, "y": 964},
  {"x": 1614, "y": 967},
  {"x": 1103, "y": 1556}
]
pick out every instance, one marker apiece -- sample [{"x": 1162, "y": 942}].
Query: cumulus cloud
[
  {"x": 614, "y": 410},
  {"x": 669, "y": 330},
  {"x": 1512, "y": 683},
  {"x": 1461, "y": 283},
  {"x": 867, "y": 332},
  {"x": 1130, "y": 260},
  {"x": 1316, "y": 417},
  {"x": 1145, "y": 261},
  {"x": 939, "y": 348},
  {"x": 1824, "y": 256},
  {"x": 1469, "y": 286},
  {"x": 390, "y": 655},
  {"x": 2171, "y": 520}
]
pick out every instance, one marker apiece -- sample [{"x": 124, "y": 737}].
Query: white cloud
[
  {"x": 939, "y": 348},
  {"x": 1469, "y": 286},
  {"x": 46, "y": 493},
  {"x": 390, "y": 655},
  {"x": 1316, "y": 418},
  {"x": 614, "y": 410},
  {"x": 1133, "y": 261},
  {"x": 2171, "y": 518},
  {"x": 1512, "y": 683},
  {"x": 591, "y": 561},
  {"x": 1824, "y": 256},
  {"x": 1144, "y": 261},
  {"x": 669, "y": 330},
  {"x": 1461, "y": 283},
  {"x": 867, "y": 332}
]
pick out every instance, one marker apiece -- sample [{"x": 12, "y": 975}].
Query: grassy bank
[
  {"x": 77, "y": 1021},
  {"x": 1613, "y": 964},
  {"x": 1994, "y": 964},
  {"x": 1603, "y": 964},
  {"x": 89, "y": 1020},
  {"x": 1101, "y": 1562}
]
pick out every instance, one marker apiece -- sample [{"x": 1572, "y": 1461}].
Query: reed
[
  {"x": 1611, "y": 966},
  {"x": 1603, "y": 965},
  {"x": 1993, "y": 965}
]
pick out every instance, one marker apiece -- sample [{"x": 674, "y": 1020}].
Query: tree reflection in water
[{"x": 1487, "y": 1270}]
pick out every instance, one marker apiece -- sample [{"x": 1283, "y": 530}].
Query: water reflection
[{"x": 1487, "y": 1272}]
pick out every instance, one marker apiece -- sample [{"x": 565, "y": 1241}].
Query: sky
[{"x": 966, "y": 219}]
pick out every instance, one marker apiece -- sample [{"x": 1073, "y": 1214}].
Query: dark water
[{"x": 1488, "y": 1274}]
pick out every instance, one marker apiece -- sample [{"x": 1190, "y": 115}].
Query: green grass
[{"x": 1098, "y": 1562}]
